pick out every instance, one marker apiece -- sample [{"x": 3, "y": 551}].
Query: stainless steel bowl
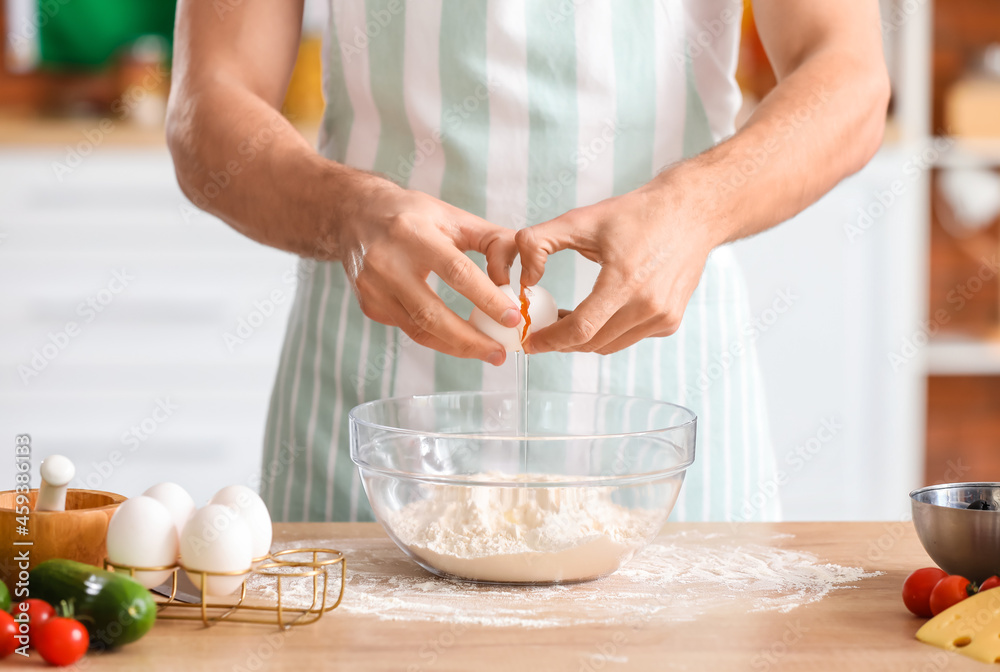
[{"x": 960, "y": 540}]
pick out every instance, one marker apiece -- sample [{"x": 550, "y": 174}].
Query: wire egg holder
[{"x": 278, "y": 565}]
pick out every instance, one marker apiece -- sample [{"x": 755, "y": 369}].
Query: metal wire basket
[{"x": 312, "y": 564}]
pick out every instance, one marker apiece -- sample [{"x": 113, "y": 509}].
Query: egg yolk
[{"x": 524, "y": 313}]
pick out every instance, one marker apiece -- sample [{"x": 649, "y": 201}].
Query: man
[{"x": 600, "y": 126}]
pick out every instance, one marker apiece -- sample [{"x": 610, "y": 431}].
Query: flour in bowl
[{"x": 523, "y": 535}]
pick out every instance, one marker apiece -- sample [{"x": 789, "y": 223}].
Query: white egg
[
  {"x": 141, "y": 533},
  {"x": 249, "y": 504},
  {"x": 542, "y": 310},
  {"x": 217, "y": 539},
  {"x": 508, "y": 337},
  {"x": 176, "y": 499}
]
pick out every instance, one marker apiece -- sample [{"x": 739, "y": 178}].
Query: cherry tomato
[
  {"x": 991, "y": 582},
  {"x": 62, "y": 641},
  {"x": 917, "y": 590},
  {"x": 8, "y": 632},
  {"x": 948, "y": 591},
  {"x": 39, "y": 611}
]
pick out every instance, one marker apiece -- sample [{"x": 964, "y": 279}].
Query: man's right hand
[
  {"x": 391, "y": 239},
  {"x": 230, "y": 73}
]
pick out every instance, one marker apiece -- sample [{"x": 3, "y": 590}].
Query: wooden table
[{"x": 865, "y": 627}]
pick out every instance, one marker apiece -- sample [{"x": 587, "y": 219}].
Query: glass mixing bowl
[{"x": 467, "y": 495}]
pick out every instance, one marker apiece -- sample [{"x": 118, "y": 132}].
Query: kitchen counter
[
  {"x": 860, "y": 625},
  {"x": 93, "y": 132}
]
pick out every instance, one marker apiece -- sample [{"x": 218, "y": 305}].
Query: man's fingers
[
  {"x": 409, "y": 327},
  {"x": 470, "y": 232},
  {"x": 536, "y": 243},
  {"x": 650, "y": 329},
  {"x": 495, "y": 242},
  {"x": 626, "y": 319},
  {"x": 462, "y": 274},
  {"x": 428, "y": 321},
  {"x": 499, "y": 257},
  {"x": 585, "y": 322}
]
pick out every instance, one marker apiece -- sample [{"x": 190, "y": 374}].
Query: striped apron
[{"x": 517, "y": 111}]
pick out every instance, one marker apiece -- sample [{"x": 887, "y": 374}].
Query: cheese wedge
[{"x": 971, "y": 627}]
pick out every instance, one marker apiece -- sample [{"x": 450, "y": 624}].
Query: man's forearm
[
  {"x": 820, "y": 124},
  {"x": 240, "y": 159}
]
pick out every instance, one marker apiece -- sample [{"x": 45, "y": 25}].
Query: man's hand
[
  {"x": 230, "y": 73},
  {"x": 652, "y": 249},
  {"x": 822, "y": 122},
  {"x": 395, "y": 238}
]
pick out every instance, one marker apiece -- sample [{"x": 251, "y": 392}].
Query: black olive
[{"x": 981, "y": 505}]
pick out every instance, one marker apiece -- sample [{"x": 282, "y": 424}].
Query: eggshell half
[{"x": 541, "y": 308}]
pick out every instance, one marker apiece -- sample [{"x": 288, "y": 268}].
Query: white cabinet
[{"x": 152, "y": 286}]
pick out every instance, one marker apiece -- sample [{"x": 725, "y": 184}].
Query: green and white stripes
[
  {"x": 465, "y": 121},
  {"x": 517, "y": 111},
  {"x": 635, "y": 46},
  {"x": 553, "y": 141}
]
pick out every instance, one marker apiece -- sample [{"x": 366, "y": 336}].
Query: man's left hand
[{"x": 652, "y": 247}]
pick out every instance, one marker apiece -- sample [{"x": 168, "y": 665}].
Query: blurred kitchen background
[{"x": 882, "y": 360}]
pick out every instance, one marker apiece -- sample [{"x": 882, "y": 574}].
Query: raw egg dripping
[{"x": 524, "y": 313}]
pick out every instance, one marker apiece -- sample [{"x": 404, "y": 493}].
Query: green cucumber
[
  {"x": 115, "y": 608},
  {"x": 4, "y": 597}
]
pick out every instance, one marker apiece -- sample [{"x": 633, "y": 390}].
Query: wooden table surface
[{"x": 865, "y": 627}]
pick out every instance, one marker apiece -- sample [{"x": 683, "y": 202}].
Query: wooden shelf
[
  {"x": 971, "y": 153},
  {"x": 41, "y": 132},
  {"x": 954, "y": 355}
]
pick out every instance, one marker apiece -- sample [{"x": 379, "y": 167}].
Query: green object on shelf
[{"x": 88, "y": 33}]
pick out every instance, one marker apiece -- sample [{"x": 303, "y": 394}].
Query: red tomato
[
  {"x": 62, "y": 641},
  {"x": 8, "y": 631},
  {"x": 948, "y": 591},
  {"x": 991, "y": 582},
  {"x": 917, "y": 590},
  {"x": 39, "y": 611}
]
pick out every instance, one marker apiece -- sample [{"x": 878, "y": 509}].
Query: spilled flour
[{"x": 680, "y": 577}]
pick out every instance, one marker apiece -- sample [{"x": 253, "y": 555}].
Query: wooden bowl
[{"x": 78, "y": 533}]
